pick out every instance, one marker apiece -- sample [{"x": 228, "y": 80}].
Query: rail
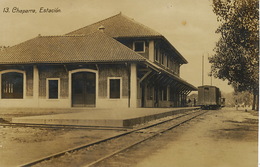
[{"x": 189, "y": 115}]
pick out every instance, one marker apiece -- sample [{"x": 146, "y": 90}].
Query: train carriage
[{"x": 209, "y": 97}]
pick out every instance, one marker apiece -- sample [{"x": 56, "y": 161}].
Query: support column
[
  {"x": 35, "y": 83},
  {"x": 145, "y": 94},
  {"x": 133, "y": 86},
  {"x": 151, "y": 51}
]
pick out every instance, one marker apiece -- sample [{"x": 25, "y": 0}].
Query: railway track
[{"x": 99, "y": 151}]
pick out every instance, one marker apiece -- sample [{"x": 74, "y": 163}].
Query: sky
[{"x": 189, "y": 25}]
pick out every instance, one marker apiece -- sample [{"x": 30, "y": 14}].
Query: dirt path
[
  {"x": 22, "y": 145},
  {"x": 225, "y": 138}
]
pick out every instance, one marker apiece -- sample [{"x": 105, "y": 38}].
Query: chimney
[{"x": 101, "y": 28}]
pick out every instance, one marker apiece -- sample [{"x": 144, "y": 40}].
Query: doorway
[{"x": 83, "y": 89}]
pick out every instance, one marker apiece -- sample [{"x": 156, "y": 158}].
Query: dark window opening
[
  {"x": 162, "y": 59},
  {"x": 12, "y": 85},
  {"x": 139, "y": 46},
  {"x": 171, "y": 65},
  {"x": 114, "y": 88},
  {"x": 53, "y": 89},
  {"x": 168, "y": 62},
  {"x": 157, "y": 52}
]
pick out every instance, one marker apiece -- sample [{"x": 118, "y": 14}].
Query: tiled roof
[
  {"x": 119, "y": 26},
  {"x": 94, "y": 47}
]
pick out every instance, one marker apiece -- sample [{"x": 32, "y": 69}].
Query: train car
[{"x": 209, "y": 97}]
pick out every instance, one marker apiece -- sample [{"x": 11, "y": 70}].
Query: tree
[
  {"x": 243, "y": 98},
  {"x": 236, "y": 52}
]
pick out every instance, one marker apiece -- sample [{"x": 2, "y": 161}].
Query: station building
[{"x": 114, "y": 63}]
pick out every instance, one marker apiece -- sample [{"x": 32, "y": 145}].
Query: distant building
[{"x": 115, "y": 62}]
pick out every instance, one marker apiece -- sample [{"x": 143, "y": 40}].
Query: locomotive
[{"x": 209, "y": 97}]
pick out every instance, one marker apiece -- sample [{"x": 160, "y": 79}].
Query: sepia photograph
[{"x": 129, "y": 83}]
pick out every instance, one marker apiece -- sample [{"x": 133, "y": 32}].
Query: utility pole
[
  {"x": 202, "y": 69},
  {"x": 210, "y": 73}
]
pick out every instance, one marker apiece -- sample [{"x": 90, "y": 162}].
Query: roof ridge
[
  {"x": 76, "y": 35},
  {"x": 40, "y": 36},
  {"x": 48, "y": 36},
  {"x": 22, "y": 42},
  {"x": 94, "y": 23},
  {"x": 119, "y": 14},
  {"x": 73, "y": 35}
]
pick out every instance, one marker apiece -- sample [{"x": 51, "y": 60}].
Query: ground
[
  {"x": 220, "y": 138},
  {"x": 225, "y": 138}
]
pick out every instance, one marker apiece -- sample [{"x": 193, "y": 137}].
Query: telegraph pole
[
  {"x": 210, "y": 73},
  {"x": 202, "y": 69}
]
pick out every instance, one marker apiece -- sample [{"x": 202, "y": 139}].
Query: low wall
[{"x": 144, "y": 119}]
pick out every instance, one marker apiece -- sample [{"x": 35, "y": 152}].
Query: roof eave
[
  {"x": 70, "y": 62},
  {"x": 152, "y": 65},
  {"x": 178, "y": 53}
]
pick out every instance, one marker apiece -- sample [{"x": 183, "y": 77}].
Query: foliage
[
  {"x": 243, "y": 98},
  {"x": 236, "y": 52}
]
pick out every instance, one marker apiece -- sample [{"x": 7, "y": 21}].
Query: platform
[{"x": 103, "y": 117}]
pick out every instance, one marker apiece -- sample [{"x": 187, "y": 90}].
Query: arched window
[{"x": 12, "y": 85}]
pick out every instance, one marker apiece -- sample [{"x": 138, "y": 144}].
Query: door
[{"x": 83, "y": 89}]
